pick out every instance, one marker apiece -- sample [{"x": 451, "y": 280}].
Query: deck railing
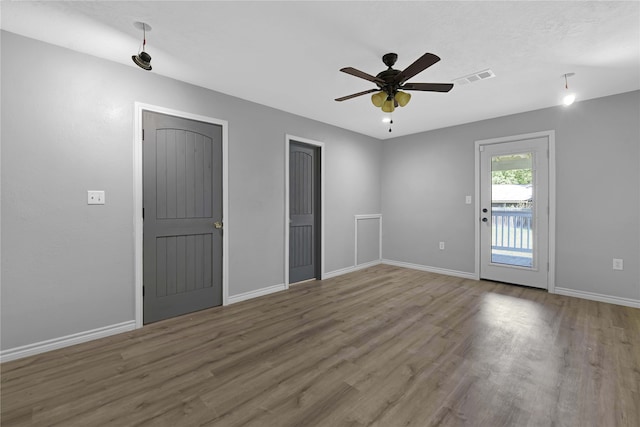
[{"x": 512, "y": 229}]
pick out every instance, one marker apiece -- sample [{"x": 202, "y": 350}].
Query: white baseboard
[
  {"x": 277, "y": 288},
  {"x": 444, "y": 271},
  {"x": 66, "y": 341},
  {"x": 351, "y": 269},
  {"x": 629, "y": 302},
  {"x": 257, "y": 293}
]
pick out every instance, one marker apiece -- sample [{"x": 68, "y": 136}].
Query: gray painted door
[
  {"x": 303, "y": 212},
  {"x": 182, "y": 201}
]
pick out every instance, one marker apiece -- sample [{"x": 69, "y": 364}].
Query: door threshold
[{"x": 303, "y": 281}]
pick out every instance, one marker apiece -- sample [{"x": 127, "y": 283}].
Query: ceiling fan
[{"x": 391, "y": 83}]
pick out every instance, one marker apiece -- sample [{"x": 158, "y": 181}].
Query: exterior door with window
[{"x": 514, "y": 204}]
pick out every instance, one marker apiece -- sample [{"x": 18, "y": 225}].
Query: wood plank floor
[{"x": 383, "y": 347}]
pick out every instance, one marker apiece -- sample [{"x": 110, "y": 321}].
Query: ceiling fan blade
[
  {"x": 344, "y": 98},
  {"x": 421, "y": 64},
  {"x": 361, "y": 74},
  {"x": 428, "y": 87}
]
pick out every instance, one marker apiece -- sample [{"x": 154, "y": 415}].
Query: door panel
[
  {"x": 182, "y": 198},
  {"x": 303, "y": 212},
  {"x": 183, "y": 181},
  {"x": 514, "y": 231}
]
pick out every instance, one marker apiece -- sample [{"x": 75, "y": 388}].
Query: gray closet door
[
  {"x": 303, "y": 210},
  {"x": 182, "y": 201}
]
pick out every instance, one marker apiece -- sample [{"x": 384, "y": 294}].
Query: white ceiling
[{"x": 287, "y": 54}]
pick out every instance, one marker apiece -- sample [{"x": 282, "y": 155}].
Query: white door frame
[
  {"x": 288, "y": 139},
  {"x": 551, "y": 138},
  {"x": 137, "y": 198}
]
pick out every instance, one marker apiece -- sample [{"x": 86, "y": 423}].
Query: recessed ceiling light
[{"x": 386, "y": 120}]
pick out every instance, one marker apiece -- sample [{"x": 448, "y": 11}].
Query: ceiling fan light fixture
[
  {"x": 403, "y": 98},
  {"x": 388, "y": 95},
  {"x": 389, "y": 105},
  {"x": 378, "y": 98},
  {"x": 142, "y": 59}
]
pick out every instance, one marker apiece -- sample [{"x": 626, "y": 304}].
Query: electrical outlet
[
  {"x": 467, "y": 200},
  {"x": 617, "y": 264},
  {"x": 442, "y": 246},
  {"x": 95, "y": 197}
]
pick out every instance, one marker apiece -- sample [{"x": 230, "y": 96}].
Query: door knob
[
  {"x": 484, "y": 219},
  {"x": 217, "y": 225},
  {"x": 484, "y": 210}
]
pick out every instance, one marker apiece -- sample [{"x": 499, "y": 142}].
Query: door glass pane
[{"x": 512, "y": 238}]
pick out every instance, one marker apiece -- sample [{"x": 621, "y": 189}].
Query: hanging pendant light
[
  {"x": 569, "y": 97},
  {"x": 142, "y": 59}
]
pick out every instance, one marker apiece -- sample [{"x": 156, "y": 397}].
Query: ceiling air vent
[{"x": 480, "y": 75}]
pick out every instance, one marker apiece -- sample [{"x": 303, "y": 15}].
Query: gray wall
[
  {"x": 67, "y": 127},
  {"x": 368, "y": 240},
  {"x": 426, "y": 176}
]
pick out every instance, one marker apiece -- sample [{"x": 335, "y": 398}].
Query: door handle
[
  {"x": 484, "y": 220},
  {"x": 484, "y": 210},
  {"x": 217, "y": 225}
]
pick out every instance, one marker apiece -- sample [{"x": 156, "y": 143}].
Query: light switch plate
[
  {"x": 617, "y": 264},
  {"x": 467, "y": 200},
  {"x": 95, "y": 197}
]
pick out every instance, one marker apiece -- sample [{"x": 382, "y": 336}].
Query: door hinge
[
  {"x": 142, "y": 213},
  {"x": 143, "y": 291},
  {"x": 143, "y": 134}
]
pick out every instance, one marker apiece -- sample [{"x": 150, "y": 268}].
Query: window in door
[{"x": 512, "y": 199}]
